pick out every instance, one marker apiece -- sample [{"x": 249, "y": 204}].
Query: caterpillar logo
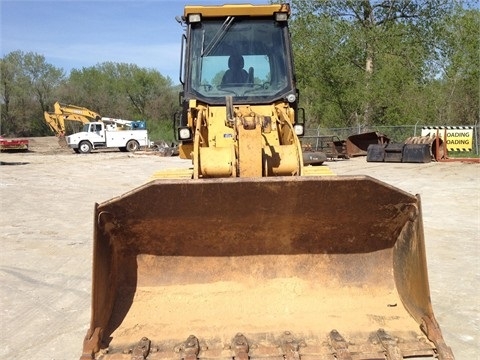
[{"x": 458, "y": 138}]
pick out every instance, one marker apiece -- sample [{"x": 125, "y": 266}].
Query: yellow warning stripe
[
  {"x": 322, "y": 170},
  {"x": 172, "y": 174}
]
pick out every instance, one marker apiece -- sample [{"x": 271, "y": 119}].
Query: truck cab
[{"x": 95, "y": 132}]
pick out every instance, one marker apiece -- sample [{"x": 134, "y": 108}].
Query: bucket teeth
[
  {"x": 379, "y": 344},
  {"x": 240, "y": 347},
  {"x": 340, "y": 345},
  {"x": 141, "y": 350},
  {"x": 190, "y": 348},
  {"x": 290, "y": 346},
  {"x": 390, "y": 345}
]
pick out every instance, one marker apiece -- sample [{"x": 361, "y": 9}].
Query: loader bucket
[
  {"x": 357, "y": 145},
  {"x": 269, "y": 268}
]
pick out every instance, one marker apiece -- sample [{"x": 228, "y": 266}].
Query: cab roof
[{"x": 236, "y": 10}]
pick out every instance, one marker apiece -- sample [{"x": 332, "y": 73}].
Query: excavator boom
[{"x": 68, "y": 118}]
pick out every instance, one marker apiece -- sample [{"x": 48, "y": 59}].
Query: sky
[{"x": 72, "y": 34}]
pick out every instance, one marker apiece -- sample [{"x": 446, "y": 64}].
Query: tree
[
  {"x": 461, "y": 68},
  {"x": 363, "y": 57},
  {"x": 10, "y": 68},
  {"x": 28, "y": 84},
  {"x": 124, "y": 91}
]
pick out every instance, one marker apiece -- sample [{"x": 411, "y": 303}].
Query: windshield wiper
[{"x": 218, "y": 36}]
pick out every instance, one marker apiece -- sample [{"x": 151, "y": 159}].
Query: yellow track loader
[{"x": 244, "y": 256}]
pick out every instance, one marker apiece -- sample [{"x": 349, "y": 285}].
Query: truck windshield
[{"x": 244, "y": 58}]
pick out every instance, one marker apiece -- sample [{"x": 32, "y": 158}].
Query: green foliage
[
  {"x": 357, "y": 62},
  {"x": 386, "y": 62},
  {"x": 461, "y": 85},
  {"x": 161, "y": 130},
  {"x": 126, "y": 91},
  {"x": 122, "y": 90},
  {"x": 217, "y": 79},
  {"x": 28, "y": 84}
]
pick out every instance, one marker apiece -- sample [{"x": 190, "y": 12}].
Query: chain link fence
[{"x": 396, "y": 134}]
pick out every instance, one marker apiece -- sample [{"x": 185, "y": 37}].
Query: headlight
[
  {"x": 194, "y": 18},
  {"x": 184, "y": 133},
  {"x": 281, "y": 16},
  {"x": 298, "y": 129},
  {"x": 291, "y": 98}
]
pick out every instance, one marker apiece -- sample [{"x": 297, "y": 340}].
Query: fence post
[{"x": 475, "y": 137}]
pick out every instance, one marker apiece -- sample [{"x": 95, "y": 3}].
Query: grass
[{"x": 463, "y": 154}]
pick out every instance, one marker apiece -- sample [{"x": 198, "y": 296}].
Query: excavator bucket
[{"x": 268, "y": 268}]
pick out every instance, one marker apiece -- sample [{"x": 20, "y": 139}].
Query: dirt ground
[{"x": 47, "y": 197}]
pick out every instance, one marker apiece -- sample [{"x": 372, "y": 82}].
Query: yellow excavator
[
  {"x": 68, "y": 119},
  {"x": 243, "y": 256}
]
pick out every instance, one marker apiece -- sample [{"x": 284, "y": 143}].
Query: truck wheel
[
  {"x": 84, "y": 147},
  {"x": 132, "y": 146}
]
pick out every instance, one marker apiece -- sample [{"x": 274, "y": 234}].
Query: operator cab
[{"x": 246, "y": 57}]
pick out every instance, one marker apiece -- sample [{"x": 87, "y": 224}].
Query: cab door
[{"x": 96, "y": 133}]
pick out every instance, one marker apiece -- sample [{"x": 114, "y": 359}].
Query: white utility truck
[{"x": 126, "y": 135}]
